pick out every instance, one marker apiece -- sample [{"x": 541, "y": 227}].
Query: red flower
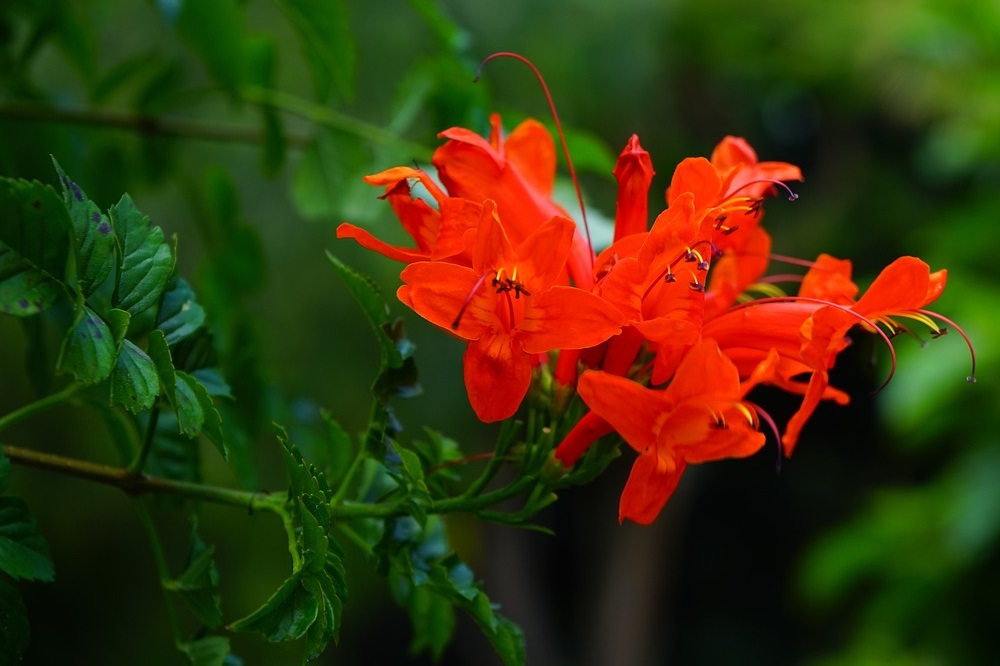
[
  {"x": 442, "y": 233},
  {"x": 518, "y": 173},
  {"x": 509, "y": 308},
  {"x": 698, "y": 418}
]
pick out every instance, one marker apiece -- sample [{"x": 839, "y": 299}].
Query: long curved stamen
[
  {"x": 559, "y": 131},
  {"x": 843, "y": 308},
  {"x": 792, "y": 196},
  {"x": 762, "y": 413},
  {"x": 972, "y": 352},
  {"x": 468, "y": 299}
]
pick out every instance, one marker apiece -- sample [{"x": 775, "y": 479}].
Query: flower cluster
[{"x": 659, "y": 334}]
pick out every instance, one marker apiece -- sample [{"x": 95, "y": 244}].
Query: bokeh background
[{"x": 876, "y": 544}]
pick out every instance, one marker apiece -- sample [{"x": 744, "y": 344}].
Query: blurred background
[{"x": 876, "y": 544}]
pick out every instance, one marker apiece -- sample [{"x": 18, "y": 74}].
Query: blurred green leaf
[
  {"x": 433, "y": 619},
  {"x": 14, "y": 621},
  {"x": 327, "y": 43},
  {"x": 147, "y": 261},
  {"x": 216, "y": 32},
  {"x": 23, "y": 551},
  {"x": 207, "y": 651},
  {"x": 327, "y": 183}
]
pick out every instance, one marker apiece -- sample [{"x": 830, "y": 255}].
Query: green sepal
[
  {"x": 95, "y": 238},
  {"x": 24, "y": 554},
  {"x": 147, "y": 261}
]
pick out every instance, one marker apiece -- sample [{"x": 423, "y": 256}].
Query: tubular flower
[
  {"x": 516, "y": 172},
  {"x": 441, "y": 233},
  {"x": 509, "y": 308},
  {"x": 698, "y": 418}
]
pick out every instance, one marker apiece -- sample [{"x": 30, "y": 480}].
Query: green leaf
[
  {"x": 327, "y": 43},
  {"x": 216, "y": 32},
  {"x": 23, "y": 551},
  {"x": 214, "y": 382},
  {"x": 196, "y": 415},
  {"x": 89, "y": 349},
  {"x": 207, "y": 651},
  {"x": 327, "y": 183},
  {"x": 453, "y": 580},
  {"x": 199, "y": 585},
  {"x": 134, "y": 380},
  {"x": 34, "y": 224},
  {"x": 24, "y": 289},
  {"x": 286, "y": 615},
  {"x": 4, "y": 471},
  {"x": 14, "y": 629},
  {"x": 147, "y": 261},
  {"x": 172, "y": 455},
  {"x": 397, "y": 373},
  {"x": 433, "y": 619},
  {"x": 180, "y": 315},
  {"x": 95, "y": 238},
  {"x": 159, "y": 353}
]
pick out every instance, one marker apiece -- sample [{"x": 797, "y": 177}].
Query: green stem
[
  {"x": 348, "y": 476},
  {"x": 142, "y": 484},
  {"x": 48, "y": 402},
  {"x": 322, "y": 115},
  {"x": 162, "y": 569},
  {"x": 137, "y": 464}
]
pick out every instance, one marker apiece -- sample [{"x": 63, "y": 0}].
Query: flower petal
[
  {"x": 497, "y": 376},
  {"x": 649, "y": 486}
]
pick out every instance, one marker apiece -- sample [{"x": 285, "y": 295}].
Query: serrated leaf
[
  {"x": 135, "y": 383},
  {"x": 23, "y": 551},
  {"x": 327, "y": 43},
  {"x": 172, "y": 455},
  {"x": 95, "y": 238},
  {"x": 397, "y": 372},
  {"x": 433, "y": 619},
  {"x": 454, "y": 581},
  {"x": 159, "y": 352},
  {"x": 24, "y": 289},
  {"x": 199, "y": 585},
  {"x": 196, "y": 415},
  {"x": 180, "y": 314},
  {"x": 207, "y": 651},
  {"x": 14, "y": 628},
  {"x": 35, "y": 224},
  {"x": 286, "y": 615},
  {"x": 89, "y": 349},
  {"x": 147, "y": 260}
]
